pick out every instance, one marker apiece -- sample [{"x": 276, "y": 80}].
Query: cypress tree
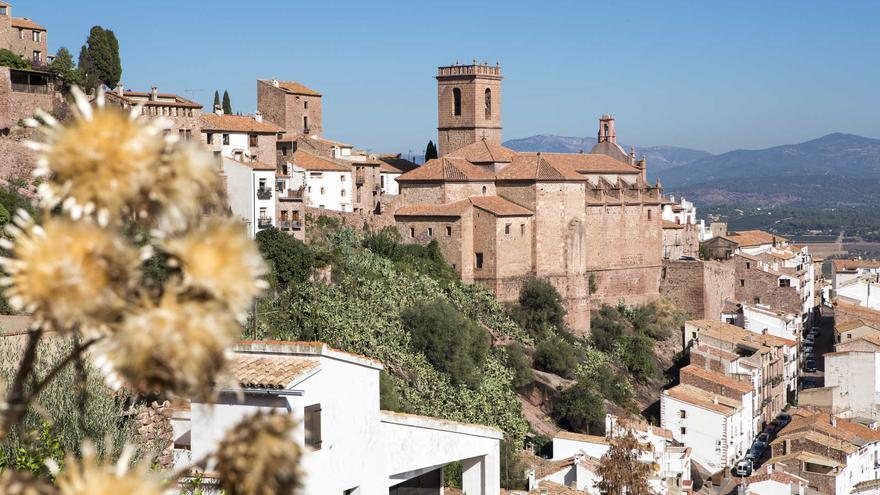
[
  {"x": 99, "y": 58},
  {"x": 114, "y": 75},
  {"x": 430, "y": 151},
  {"x": 227, "y": 103},
  {"x": 216, "y": 100}
]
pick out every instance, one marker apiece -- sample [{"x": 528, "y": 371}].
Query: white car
[{"x": 743, "y": 468}]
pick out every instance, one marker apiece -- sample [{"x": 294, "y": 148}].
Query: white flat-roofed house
[
  {"x": 327, "y": 183},
  {"x": 393, "y": 166},
  {"x": 350, "y": 445},
  {"x": 245, "y": 136},
  {"x": 843, "y": 271},
  {"x": 249, "y": 189},
  {"x": 852, "y": 386},
  {"x": 864, "y": 291}
]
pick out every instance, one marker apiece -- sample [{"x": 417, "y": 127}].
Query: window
[
  {"x": 342, "y": 177},
  {"x": 36, "y": 36},
  {"x": 456, "y": 102},
  {"x": 262, "y": 183},
  {"x": 252, "y": 140},
  {"x": 306, "y": 124},
  {"x": 522, "y": 229},
  {"x": 412, "y": 232},
  {"x": 479, "y": 260},
  {"x": 682, "y": 414},
  {"x": 784, "y": 282},
  {"x": 507, "y": 228},
  {"x": 21, "y": 34},
  {"x": 342, "y": 193},
  {"x": 649, "y": 214},
  {"x": 38, "y": 56},
  {"x": 448, "y": 230},
  {"x": 742, "y": 282},
  {"x": 306, "y": 104},
  {"x": 312, "y": 423},
  {"x": 430, "y": 231},
  {"x": 757, "y": 300},
  {"x": 322, "y": 190},
  {"x": 263, "y": 214},
  {"x": 683, "y": 430},
  {"x": 748, "y": 264},
  {"x": 226, "y": 139},
  {"x": 484, "y": 189},
  {"x": 2, "y": 10},
  {"x": 210, "y": 138},
  {"x": 488, "y": 103}
]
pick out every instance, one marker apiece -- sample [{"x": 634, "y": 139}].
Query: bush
[
  {"x": 519, "y": 363},
  {"x": 612, "y": 386},
  {"x": 540, "y": 306},
  {"x": 555, "y": 355},
  {"x": 451, "y": 342},
  {"x": 13, "y": 60},
  {"x": 389, "y": 399},
  {"x": 580, "y": 409},
  {"x": 607, "y": 327},
  {"x": 637, "y": 356},
  {"x": 291, "y": 260},
  {"x": 427, "y": 260}
]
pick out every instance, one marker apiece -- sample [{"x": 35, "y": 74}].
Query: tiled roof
[
  {"x": 849, "y": 431},
  {"x": 142, "y": 98},
  {"x": 546, "y": 467},
  {"x": 309, "y": 161},
  {"x": 850, "y": 325},
  {"x": 819, "y": 438},
  {"x": 294, "y": 88},
  {"x": 672, "y": 225},
  {"x": 715, "y": 377},
  {"x": 643, "y": 426},
  {"x": 499, "y": 207},
  {"x": 804, "y": 456},
  {"x": 778, "y": 476},
  {"x": 273, "y": 372},
  {"x": 483, "y": 151},
  {"x": 536, "y": 167},
  {"x": 448, "y": 169},
  {"x": 853, "y": 265},
  {"x": 551, "y": 488},
  {"x": 704, "y": 399},
  {"x": 854, "y": 310},
  {"x": 455, "y": 209},
  {"x": 395, "y": 162},
  {"x": 581, "y": 437},
  {"x": 255, "y": 165},
  {"x": 732, "y": 333},
  {"x": 751, "y": 238},
  {"x": 591, "y": 163},
  {"x": 24, "y": 22},
  {"x": 236, "y": 123}
]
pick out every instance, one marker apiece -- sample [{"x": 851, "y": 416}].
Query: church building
[{"x": 589, "y": 223}]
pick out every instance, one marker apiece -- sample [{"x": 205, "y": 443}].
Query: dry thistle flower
[
  {"x": 218, "y": 258},
  {"x": 16, "y": 482},
  {"x": 99, "y": 163},
  {"x": 188, "y": 184},
  {"x": 174, "y": 347},
  {"x": 92, "y": 476},
  {"x": 68, "y": 272},
  {"x": 258, "y": 456}
]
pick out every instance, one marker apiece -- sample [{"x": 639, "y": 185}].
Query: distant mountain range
[{"x": 834, "y": 170}]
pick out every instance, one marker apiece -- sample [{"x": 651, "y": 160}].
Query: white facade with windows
[
  {"x": 326, "y": 183},
  {"x": 350, "y": 445},
  {"x": 249, "y": 191}
]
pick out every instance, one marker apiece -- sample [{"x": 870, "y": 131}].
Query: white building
[
  {"x": 351, "y": 447},
  {"x": 327, "y": 183},
  {"x": 773, "y": 482},
  {"x": 249, "y": 187},
  {"x": 388, "y": 175},
  {"x": 843, "y": 271},
  {"x": 863, "y": 291},
  {"x": 852, "y": 386},
  {"x": 765, "y": 321},
  {"x": 716, "y": 428},
  {"x": 244, "y": 137}
]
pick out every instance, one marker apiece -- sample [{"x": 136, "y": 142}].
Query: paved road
[{"x": 824, "y": 344}]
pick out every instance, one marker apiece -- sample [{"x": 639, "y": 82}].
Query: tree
[
  {"x": 540, "y": 307},
  {"x": 290, "y": 260},
  {"x": 9, "y": 59},
  {"x": 389, "y": 399},
  {"x": 450, "y": 341},
  {"x": 580, "y": 409},
  {"x": 555, "y": 355},
  {"x": 227, "y": 103},
  {"x": 216, "y": 100},
  {"x": 430, "y": 151},
  {"x": 620, "y": 469},
  {"x": 99, "y": 58},
  {"x": 63, "y": 67},
  {"x": 521, "y": 366}
]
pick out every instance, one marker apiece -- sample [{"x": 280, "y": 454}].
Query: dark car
[
  {"x": 757, "y": 451},
  {"x": 809, "y": 383},
  {"x": 811, "y": 366},
  {"x": 783, "y": 419},
  {"x": 765, "y": 437}
]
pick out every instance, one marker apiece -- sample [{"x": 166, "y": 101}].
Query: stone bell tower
[{"x": 468, "y": 105}]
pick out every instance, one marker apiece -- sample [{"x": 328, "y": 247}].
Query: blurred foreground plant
[{"x": 120, "y": 194}]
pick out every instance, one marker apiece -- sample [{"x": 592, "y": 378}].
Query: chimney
[
  {"x": 154, "y": 93},
  {"x": 258, "y": 117},
  {"x": 833, "y": 421},
  {"x": 218, "y": 110},
  {"x": 120, "y": 90},
  {"x": 275, "y": 83}
]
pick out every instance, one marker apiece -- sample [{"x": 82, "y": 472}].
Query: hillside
[
  {"x": 834, "y": 170},
  {"x": 659, "y": 157}
]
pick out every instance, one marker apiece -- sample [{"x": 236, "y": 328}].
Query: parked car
[
  {"x": 809, "y": 382},
  {"x": 784, "y": 419},
  {"x": 743, "y": 468},
  {"x": 810, "y": 366},
  {"x": 765, "y": 437},
  {"x": 809, "y": 341},
  {"x": 757, "y": 451},
  {"x": 808, "y": 350},
  {"x": 816, "y": 329}
]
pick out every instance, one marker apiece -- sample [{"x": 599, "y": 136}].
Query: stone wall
[
  {"x": 352, "y": 219},
  {"x": 755, "y": 286},
  {"x": 16, "y": 106},
  {"x": 366, "y": 194},
  {"x": 686, "y": 377},
  {"x": 698, "y": 287},
  {"x": 154, "y": 427},
  {"x": 287, "y": 110}
]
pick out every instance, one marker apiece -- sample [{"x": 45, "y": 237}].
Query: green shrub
[
  {"x": 579, "y": 408},
  {"x": 555, "y": 355},
  {"x": 613, "y": 386},
  {"x": 13, "y": 60},
  {"x": 427, "y": 260},
  {"x": 291, "y": 260},
  {"x": 389, "y": 399},
  {"x": 637, "y": 355},
  {"x": 540, "y": 306},
  {"x": 607, "y": 327},
  {"x": 451, "y": 342},
  {"x": 519, "y": 363}
]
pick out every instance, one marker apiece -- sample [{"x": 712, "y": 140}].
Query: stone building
[
  {"x": 290, "y": 105},
  {"x": 183, "y": 114},
  {"x": 698, "y": 287},
  {"x": 23, "y": 36},
  {"x": 577, "y": 220}
]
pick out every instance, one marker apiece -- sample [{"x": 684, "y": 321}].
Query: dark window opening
[
  {"x": 252, "y": 140},
  {"x": 448, "y": 230},
  {"x": 507, "y": 228},
  {"x": 226, "y": 139},
  {"x": 479, "y": 260},
  {"x": 456, "y": 101},
  {"x": 312, "y": 421},
  {"x": 488, "y": 103}
]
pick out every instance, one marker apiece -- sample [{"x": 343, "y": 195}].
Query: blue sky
[{"x": 711, "y": 75}]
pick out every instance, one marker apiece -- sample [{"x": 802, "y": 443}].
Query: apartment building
[
  {"x": 249, "y": 191},
  {"x": 245, "y": 136},
  {"x": 350, "y": 446},
  {"x": 23, "y": 36},
  {"x": 183, "y": 114},
  {"x": 852, "y": 385},
  {"x": 325, "y": 183},
  {"x": 681, "y": 229}
]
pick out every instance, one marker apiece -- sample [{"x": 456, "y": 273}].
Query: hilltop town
[{"x": 488, "y": 321}]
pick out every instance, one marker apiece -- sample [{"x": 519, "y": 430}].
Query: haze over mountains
[{"x": 833, "y": 170}]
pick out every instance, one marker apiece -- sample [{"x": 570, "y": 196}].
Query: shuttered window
[{"x": 313, "y": 425}]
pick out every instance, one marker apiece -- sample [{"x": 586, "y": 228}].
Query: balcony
[
  {"x": 292, "y": 195},
  {"x": 296, "y": 225},
  {"x": 359, "y": 178},
  {"x": 264, "y": 193},
  {"x": 264, "y": 223}
]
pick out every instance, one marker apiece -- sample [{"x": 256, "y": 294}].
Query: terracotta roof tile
[
  {"x": 236, "y": 123},
  {"x": 273, "y": 372},
  {"x": 448, "y": 169},
  {"x": 483, "y": 151},
  {"x": 591, "y": 163},
  {"x": 536, "y": 167},
  {"x": 751, "y": 238},
  {"x": 499, "y": 207},
  {"x": 853, "y": 265},
  {"x": 309, "y": 161},
  {"x": 672, "y": 225},
  {"x": 455, "y": 209},
  {"x": 702, "y": 398},
  {"x": 294, "y": 88},
  {"x": 715, "y": 377},
  {"x": 24, "y": 22}
]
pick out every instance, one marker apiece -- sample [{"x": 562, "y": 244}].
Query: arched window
[
  {"x": 484, "y": 189},
  {"x": 456, "y": 101},
  {"x": 488, "y": 103}
]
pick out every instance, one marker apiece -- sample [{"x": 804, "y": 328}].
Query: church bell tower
[{"x": 468, "y": 105}]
